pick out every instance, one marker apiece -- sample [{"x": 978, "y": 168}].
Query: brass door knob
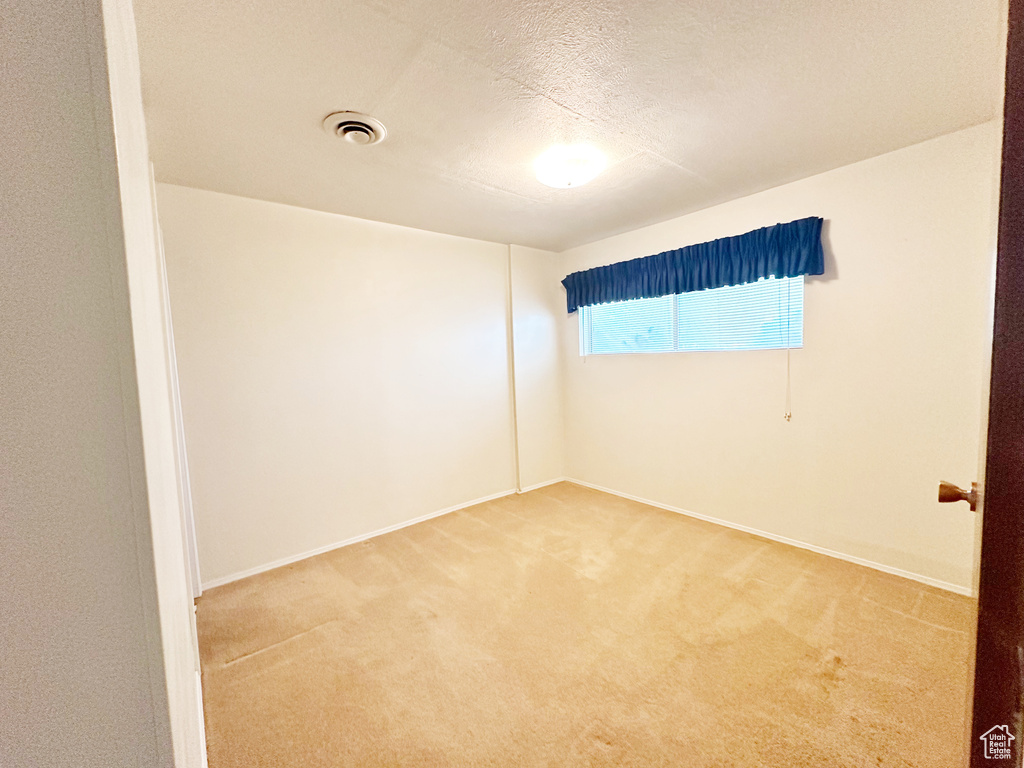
[{"x": 950, "y": 493}]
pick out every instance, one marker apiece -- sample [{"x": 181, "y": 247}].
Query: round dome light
[{"x": 569, "y": 165}]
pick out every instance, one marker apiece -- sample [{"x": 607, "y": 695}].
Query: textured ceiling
[{"x": 694, "y": 101}]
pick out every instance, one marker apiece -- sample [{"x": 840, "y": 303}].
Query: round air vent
[{"x": 355, "y": 128}]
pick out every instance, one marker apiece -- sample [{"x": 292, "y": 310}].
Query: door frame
[{"x": 999, "y": 653}]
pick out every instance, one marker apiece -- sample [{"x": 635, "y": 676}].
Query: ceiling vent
[{"x": 355, "y": 128}]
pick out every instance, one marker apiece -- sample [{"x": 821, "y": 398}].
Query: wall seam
[{"x": 510, "y": 323}]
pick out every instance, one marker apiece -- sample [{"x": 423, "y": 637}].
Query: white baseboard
[
  {"x": 948, "y": 586},
  {"x": 945, "y": 585},
  {"x": 354, "y": 540},
  {"x": 535, "y": 486}
]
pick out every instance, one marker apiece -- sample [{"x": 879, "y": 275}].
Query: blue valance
[{"x": 783, "y": 250}]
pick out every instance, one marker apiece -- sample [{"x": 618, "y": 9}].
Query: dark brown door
[{"x": 996, "y": 735}]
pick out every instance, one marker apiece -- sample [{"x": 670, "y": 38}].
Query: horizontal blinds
[
  {"x": 640, "y": 325},
  {"x": 767, "y": 314}
]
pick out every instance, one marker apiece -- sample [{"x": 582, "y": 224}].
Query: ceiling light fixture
[{"x": 569, "y": 165}]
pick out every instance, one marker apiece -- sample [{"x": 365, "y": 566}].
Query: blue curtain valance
[{"x": 783, "y": 250}]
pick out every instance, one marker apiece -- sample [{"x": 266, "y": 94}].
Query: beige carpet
[{"x": 567, "y": 627}]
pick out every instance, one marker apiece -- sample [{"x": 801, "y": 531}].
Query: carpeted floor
[{"x": 567, "y": 627}]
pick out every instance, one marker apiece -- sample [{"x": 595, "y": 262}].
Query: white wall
[
  {"x": 886, "y": 391},
  {"x": 338, "y": 376},
  {"x": 538, "y": 302},
  {"x": 355, "y": 374},
  {"x": 97, "y": 666}
]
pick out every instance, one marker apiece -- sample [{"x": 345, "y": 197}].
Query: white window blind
[{"x": 768, "y": 314}]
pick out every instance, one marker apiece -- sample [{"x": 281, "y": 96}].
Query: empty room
[{"x": 519, "y": 384}]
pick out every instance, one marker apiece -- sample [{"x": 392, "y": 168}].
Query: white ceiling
[{"x": 694, "y": 101}]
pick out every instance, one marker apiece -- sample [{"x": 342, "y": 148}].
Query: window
[{"x": 768, "y": 314}]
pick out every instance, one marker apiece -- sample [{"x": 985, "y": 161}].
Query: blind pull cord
[
  {"x": 789, "y": 389},
  {"x": 789, "y": 349}
]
